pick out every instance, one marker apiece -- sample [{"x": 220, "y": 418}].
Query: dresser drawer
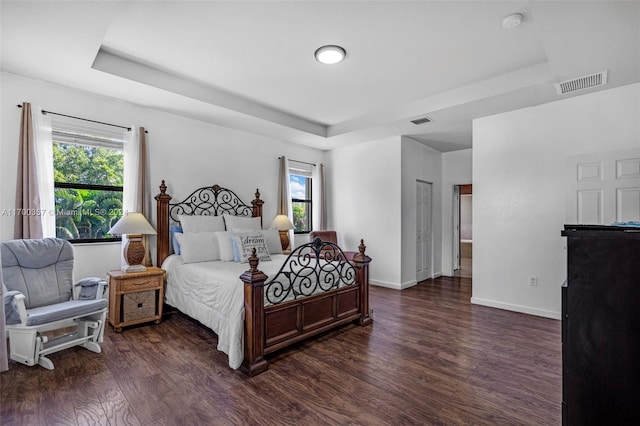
[{"x": 140, "y": 283}]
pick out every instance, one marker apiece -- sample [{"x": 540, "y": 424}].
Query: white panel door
[
  {"x": 423, "y": 231},
  {"x": 603, "y": 188}
]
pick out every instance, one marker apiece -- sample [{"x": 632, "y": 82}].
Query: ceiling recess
[
  {"x": 422, "y": 120},
  {"x": 581, "y": 83}
]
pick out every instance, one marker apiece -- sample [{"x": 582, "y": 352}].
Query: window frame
[
  {"x": 308, "y": 201},
  {"x": 64, "y": 133}
]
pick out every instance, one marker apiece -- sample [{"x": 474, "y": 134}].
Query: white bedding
[{"x": 212, "y": 293}]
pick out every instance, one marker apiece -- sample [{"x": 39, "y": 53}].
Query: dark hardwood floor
[{"x": 430, "y": 357}]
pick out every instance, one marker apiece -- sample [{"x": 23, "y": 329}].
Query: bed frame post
[
  {"x": 254, "y": 338},
  {"x": 162, "y": 224},
  {"x": 257, "y": 206},
  {"x": 362, "y": 262}
]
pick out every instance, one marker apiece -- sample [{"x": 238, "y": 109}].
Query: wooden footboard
[{"x": 285, "y": 322}]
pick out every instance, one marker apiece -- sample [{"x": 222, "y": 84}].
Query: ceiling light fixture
[
  {"x": 512, "y": 21},
  {"x": 330, "y": 54}
]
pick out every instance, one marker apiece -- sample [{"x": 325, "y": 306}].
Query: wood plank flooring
[{"x": 429, "y": 358}]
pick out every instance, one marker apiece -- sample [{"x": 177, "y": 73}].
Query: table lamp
[
  {"x": 133, "y": 225},
  {"x": 283, "y": 224}
]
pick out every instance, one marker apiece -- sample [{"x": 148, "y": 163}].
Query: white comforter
[{"x": 212, "y": 293}]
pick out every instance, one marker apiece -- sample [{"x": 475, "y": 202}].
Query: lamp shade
[
  {"x": 281, "y": 222},
  {"x": 132, "y": 223}
]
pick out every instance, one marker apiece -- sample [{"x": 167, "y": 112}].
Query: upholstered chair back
[
  {"x": 328, "y": 236},
  {"x": 41, "y": 269}
]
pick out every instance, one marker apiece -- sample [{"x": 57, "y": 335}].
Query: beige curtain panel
[
  {"x": 27, "y": 195},
  {"x": 143, "y": 193},
  {"x": 322, "y": 220}
]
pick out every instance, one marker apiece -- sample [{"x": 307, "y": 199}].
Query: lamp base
[
  {"x": 133, "y": 268},
  {"x": 284, "y": 239},
  {"x": 133, "y": 254}
]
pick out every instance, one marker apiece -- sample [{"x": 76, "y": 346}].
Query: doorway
[
  {"x": 424, "y": 237},
  {"x": 463, "y": 230}
]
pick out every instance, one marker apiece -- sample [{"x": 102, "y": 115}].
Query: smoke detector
[
  {"x": 512, "y": 21},
  {"x": 582, "y": 83}
]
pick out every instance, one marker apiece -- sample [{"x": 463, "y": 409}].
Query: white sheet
[{"x": 212, "y": 293}]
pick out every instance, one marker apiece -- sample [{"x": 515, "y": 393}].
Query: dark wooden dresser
[{"x": 601, "y": 326}]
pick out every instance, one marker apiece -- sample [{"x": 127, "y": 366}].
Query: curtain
[
  {"x": 34, "y": 187},
  {"x": 284, "y": 195},
  {"x": 4, "y": 362},
  {"x": 320, "y": 202},
  {"x": 44, "y": 159},
  {"x": 143, "y": 191},
  {"x": 135, "y": 196}
]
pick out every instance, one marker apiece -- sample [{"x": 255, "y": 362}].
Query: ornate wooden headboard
[{"x": 208, "y": 200}]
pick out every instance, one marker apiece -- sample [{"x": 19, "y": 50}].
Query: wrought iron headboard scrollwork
[
  {"x": 211, "y": 201},
  {"x": 318, "y": 266}
]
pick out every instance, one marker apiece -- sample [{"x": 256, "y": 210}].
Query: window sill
[{"x": 97, "y": 243}]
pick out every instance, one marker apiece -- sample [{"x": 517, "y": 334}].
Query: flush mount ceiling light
[
  {"x": 330, "y": 54},
  {"x": 512, "y": 21}
]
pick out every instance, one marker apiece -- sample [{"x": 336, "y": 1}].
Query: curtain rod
[
  {"x": 85, "y": 119},
  {"x": 298, "y": 161}
]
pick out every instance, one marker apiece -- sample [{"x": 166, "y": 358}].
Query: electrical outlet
[{"x": 533, "y": 281}]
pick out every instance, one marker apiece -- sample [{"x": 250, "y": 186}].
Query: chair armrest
[
  {"x": 15, "y": 308},
  {"x": 102, "y": 287},
  {"x": 90, "y": 288},
  {"x": 22, "y": 308}
]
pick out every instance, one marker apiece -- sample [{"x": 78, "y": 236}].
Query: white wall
[
  {"x": 364, "y": 185},
  {"x": 456, "y": 170},
  {"x": 419, "y": 162},
  {"x": 519, "y": 161},
  {"x": 186, "y": 153}
]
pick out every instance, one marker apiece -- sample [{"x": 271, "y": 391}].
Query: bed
[{"x": 256, "y": 299}]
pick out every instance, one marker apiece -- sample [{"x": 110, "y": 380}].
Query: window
[
  {"x": 88, "y": 168},
  {"x": 301, "y": 204}
]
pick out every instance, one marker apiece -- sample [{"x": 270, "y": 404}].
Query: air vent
[
  {"x": 581, "y": 83},
  {"x": 422, "y": 120}
]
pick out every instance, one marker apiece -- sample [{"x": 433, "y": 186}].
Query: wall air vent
[
  {"x": 581, "y": 83},
  {"x": 422, "y": 120}
]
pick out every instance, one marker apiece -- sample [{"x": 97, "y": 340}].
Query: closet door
[
  {"x": 603, "y": 188},
  {"x": 424, "y": 249}
]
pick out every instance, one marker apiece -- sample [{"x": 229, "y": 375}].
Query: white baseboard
[
  {"x": 516, "y": 308},
  {"x": 394, "y": 286},
  {"x": 401, "y": 286}
]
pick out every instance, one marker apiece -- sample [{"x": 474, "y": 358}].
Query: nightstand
[{"x": 135, "y": 297}]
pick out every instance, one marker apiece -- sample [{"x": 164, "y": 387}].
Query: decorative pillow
[
  {"x": 247, "y": 241},
  {"x": 272, "y": 238},
  {"x": 225, "y": 246},
  {"x": 241, "y": 222},
  {"x": 192, "y": 224},
  {"x": 174, "y": 241},
  {"x": 198, "y": 247}
]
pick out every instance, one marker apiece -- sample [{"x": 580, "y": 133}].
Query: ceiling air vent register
[
  {"x": 581, "y": 83},
  {"x": 422, "y": 120}
]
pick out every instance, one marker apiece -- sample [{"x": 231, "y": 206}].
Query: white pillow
[
  {"x": 272, "y": 238},
  {"x": 198, "y": 247},
  {"x": 245, "y": 242},
  {"x": 192, "y": 224},
  {"x": 241, "y": 222},
  {"x": 224, "y": 246}
]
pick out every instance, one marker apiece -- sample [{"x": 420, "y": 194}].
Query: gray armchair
[{"x": 40, "y": 297}]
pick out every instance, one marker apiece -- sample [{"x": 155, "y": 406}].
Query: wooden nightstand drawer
[
  {"x": 136, "y": 297},
  {"x": 139, "y": 305},
  {"x": 141, "y": 283}
]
